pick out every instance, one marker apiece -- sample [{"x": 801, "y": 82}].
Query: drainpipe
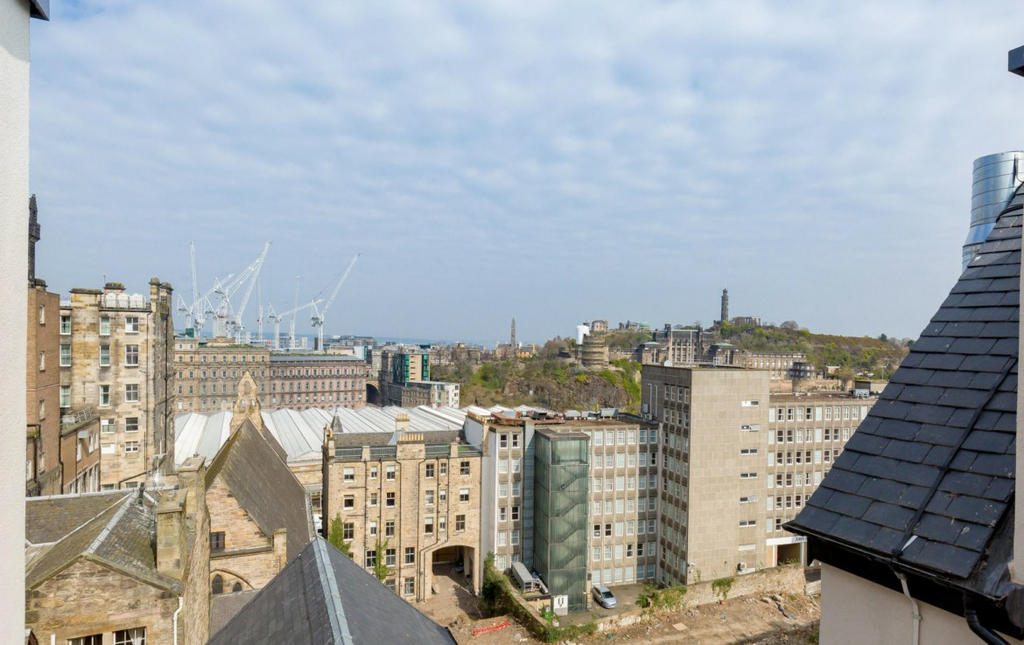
[
  {"x": 915, "y": 610},
  {"x": 174, "y": 619},
  {"x": 982, "y": 632}
]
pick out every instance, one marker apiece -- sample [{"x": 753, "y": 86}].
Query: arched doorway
[
  {"x": 447, "y": 567},
  {"x": 372, "y": 394}
]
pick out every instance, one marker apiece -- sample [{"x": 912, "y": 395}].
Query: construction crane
[
  {"x": 196, "y": 312},
  {"x": 320, "y": 315},
  {"x": 254, "y": 275},
  {"x": 278, "y": 317}
]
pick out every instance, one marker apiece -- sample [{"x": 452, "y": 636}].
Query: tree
[
  {"x": 336, "y": 536},
  {"x": 380, "y": 569}
]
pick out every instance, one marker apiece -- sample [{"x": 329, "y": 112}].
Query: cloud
[{"x": 552, "y": 161}]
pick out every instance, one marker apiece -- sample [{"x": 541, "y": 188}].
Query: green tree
[
  {"x": 336, "y": 536},
  {"x": 380, "y": 569}
]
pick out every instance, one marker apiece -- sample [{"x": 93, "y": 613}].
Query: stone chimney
[
  {"x": 171, "y": 535},
  {"x": 401, "y": 422},
  {"x": 192, "y": 479}
]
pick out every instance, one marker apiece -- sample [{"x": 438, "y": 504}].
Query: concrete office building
[
  {"x": 116, "y": 352},
  {"x": 520, "y": 512},
  {"x": 738, "y": 463}
]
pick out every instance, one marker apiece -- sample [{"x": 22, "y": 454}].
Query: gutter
[{"x": 981, "y": 631}]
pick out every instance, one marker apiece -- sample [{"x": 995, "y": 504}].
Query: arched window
[
  {"x": 236, "y": 587},
  {"x": 218, "y": 584}
]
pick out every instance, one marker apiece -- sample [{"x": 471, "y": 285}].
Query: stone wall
[{"x": 88, "y": 598}]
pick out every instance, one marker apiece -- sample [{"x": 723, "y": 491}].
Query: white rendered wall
[
  {"x": 856, "y": 611},
  {"x": 14, "y": 57}
]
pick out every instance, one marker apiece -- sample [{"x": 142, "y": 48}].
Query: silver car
[{"x": 604, "y": 596}]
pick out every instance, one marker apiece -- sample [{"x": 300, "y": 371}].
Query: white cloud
[{"x": 569, "y": 160}]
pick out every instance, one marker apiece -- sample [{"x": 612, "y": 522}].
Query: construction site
[{"x": 219, "y": 311}]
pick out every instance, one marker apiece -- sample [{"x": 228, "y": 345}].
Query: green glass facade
[{"x": 561, "y": 489}]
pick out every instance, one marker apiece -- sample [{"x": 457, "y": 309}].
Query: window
[
  {"x": 349, "y": 502},
  {"x": 389, "y": 557},
  {"x": 515, "y": 513},
  {"x": 371, "y": 559},
  {"x": 442, "y": 523},
  {"x": 502, "y": 514},
  {"x": 348, "y": 531},
  {"x": 373, "y": 499},
  {"x": 131, "y": 447},
  {"x": 430, "y": 470},
  {"x": 65, "y": 325},
  {"x": 515, "y": 537},
  {"x": 371, "y": 528},
  {"x": 131, "y": 424},
  {"x": 463, "y": 467},
  {"x": 216, "y": 540},
  {"x": 428, "y": 525},
  {"x": 104, "y": 325},
  {"x": 515, "y": 441},
  {"x": 460, "y": 523},
  {"x": 410, "y": 555},
  {"x": 503, "y": 440},
  {"x": 463, "y": 494},
  {"x": 748, "y": 522},
  {"x": 131, "y": 392},
  {"x": 429, "y": 497},
  {"x": 748, "y": 475},
  {"x": 131, "y": 355},
  {"x": 409, "y": 586},
  {"x": 65, "y": 355},
  {"x": 133, "y": 636},
  {"x": 389, "y": 472},
  {"x": 608, "y": 530},
  {"x": 104, "y": 395},
  {"x": 373, "y": 472},
  {"x": 349, "y": 474},
  {"x": 389, "y": 529},
  {"x": 94, "y": 639},
  {"x": 131, "y": 324},
  {"x": 65, "y": 396},
  {"x": 389, "y": 500}
]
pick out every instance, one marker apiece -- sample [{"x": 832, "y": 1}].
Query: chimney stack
[{"x": 171, "y": 535}]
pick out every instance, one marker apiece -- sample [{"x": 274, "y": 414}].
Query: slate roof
[
  {"x": 48, "y": 519},
  {"x": 323, "y": 598},
  {"x": 120, "y": 537},
  {"x": 928, "y": 477},
  {"x": 253, "y": 467}
]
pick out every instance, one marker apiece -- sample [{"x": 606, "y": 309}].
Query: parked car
[{"x": 604, "y": 596}]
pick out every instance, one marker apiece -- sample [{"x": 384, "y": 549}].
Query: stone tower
[
  {"x": 725, "y": 305},
  {"x": 33, "y": 237},
  {"x": 512, "y": 339}
]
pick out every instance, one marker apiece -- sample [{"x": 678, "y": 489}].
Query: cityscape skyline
[{"x": 555, "y": 153}]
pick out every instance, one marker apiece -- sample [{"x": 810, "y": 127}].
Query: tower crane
[
  {"x": 320, "y": 315},
  {"x": 253, "y": 276},
  {"x": 278, "y": 317}
]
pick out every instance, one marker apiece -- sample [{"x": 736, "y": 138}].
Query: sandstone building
[
  {"x": 115, "y": 357},
  {"x": 300, "y": 382},
  {"x": 120, "y": 567},
  {"x": 409, "y": 499}
]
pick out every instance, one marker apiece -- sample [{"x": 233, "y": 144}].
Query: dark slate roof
[
  {"x": 323, "y": 597},
  {"x": 121, "y": 537},
  {"x": 48, "y": 519},
  {"x": 929, "y": 475},
  {"x": 252, "y": 466}
]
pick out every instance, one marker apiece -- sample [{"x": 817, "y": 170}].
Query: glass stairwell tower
[{"x": 561, "y": 490}]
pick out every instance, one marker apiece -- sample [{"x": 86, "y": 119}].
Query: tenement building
[
  {"x": 407, "y": 500},
  {"x": 116, "y": 357},
  {"x": 438, "y": 394},
  {"x": 573, "y": 498},
  {"x": 737, "y": 463}
]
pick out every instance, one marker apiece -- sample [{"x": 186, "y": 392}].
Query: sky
[{"x": 556, "y": 162}]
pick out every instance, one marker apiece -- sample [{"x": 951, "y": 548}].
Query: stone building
[
  {"x": 79, "y": 452},
  {"x": 207, "y": 372},
  {"x": 778, "y": 364},
  {"x": 299, "y": 382},
  {"x": 259, "y": 512},
  {"x": 438, "y": 394},
  {"x": 613, "y": 527},
  {"x": 120, "y": 567},
  {"x": 409, "y": 499},
  {"x": 43, "y": 472},
  {"x": 116, "y": 352}
]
